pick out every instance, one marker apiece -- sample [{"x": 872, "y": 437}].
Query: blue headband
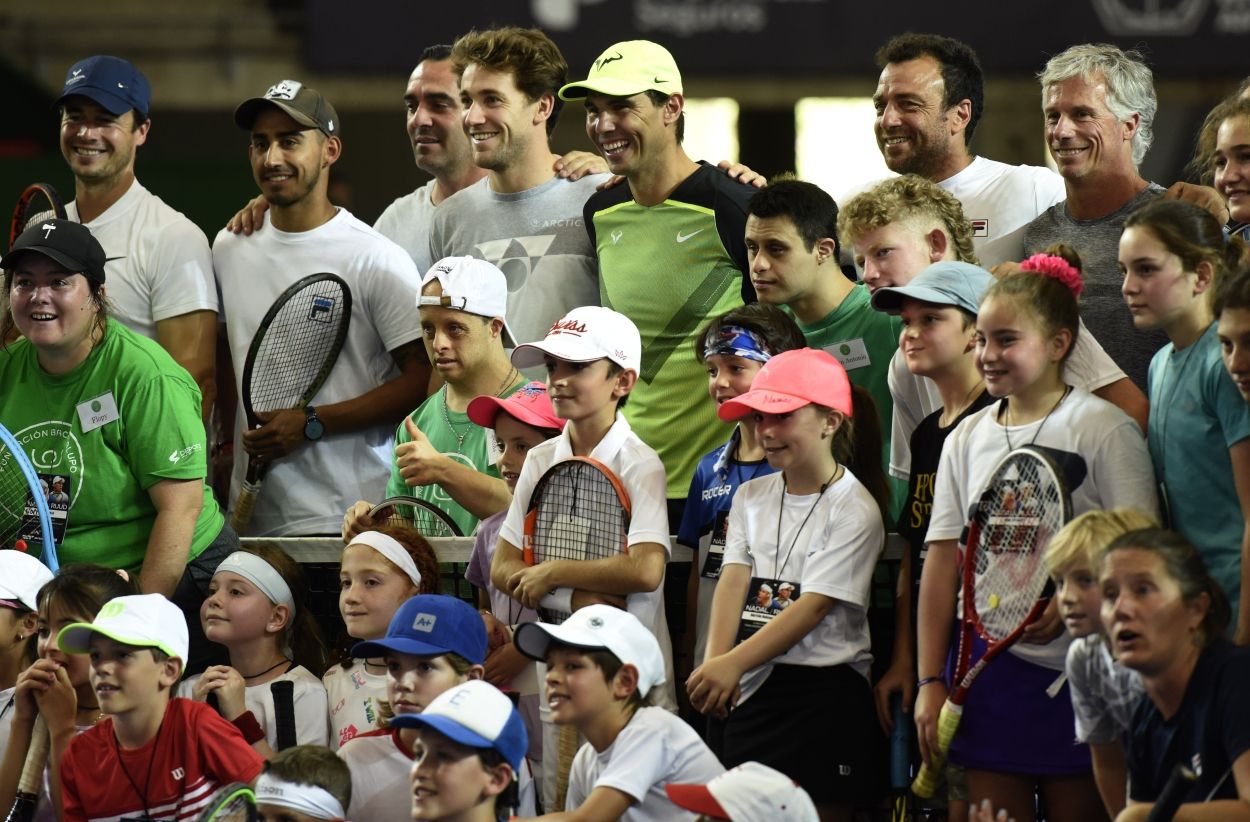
[{"x": 736, "y": 341}]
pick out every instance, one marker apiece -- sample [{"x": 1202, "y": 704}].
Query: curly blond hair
[{"x": 908, "y": 197}]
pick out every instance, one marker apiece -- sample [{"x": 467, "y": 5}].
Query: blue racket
[{"x": 24, "y": 517}]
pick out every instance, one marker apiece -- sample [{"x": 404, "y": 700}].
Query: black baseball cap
[
  {"x": 305, "y": 105},
  {"x": 65, "y": 242}
]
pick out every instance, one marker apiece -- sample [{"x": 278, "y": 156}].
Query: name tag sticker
[
  {"x": 851, "y": 353},
  {"x": 97, "y": 412}
]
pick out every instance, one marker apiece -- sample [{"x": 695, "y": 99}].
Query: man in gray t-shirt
[
  {"x": 1098, "y": 152},
  {"x": 1102, "y": 306},
  {"x": 521, "y": 217}
]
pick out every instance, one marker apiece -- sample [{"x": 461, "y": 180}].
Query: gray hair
[{"x": 1129, "y": 83}]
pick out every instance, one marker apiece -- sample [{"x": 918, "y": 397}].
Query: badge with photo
[{"x": 765, "y": 599}]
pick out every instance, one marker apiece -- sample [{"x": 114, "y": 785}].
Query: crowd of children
[{"x": 857, "y": 409}]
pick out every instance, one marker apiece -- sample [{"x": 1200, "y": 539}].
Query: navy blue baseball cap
[
  {"x": 475, "y": 714},
  {"x": 430, "y": 625},
  {"x": 112, "y": 82}
]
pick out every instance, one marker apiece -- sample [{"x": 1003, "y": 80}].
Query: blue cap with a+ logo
[{"x": 430, "y": 625}]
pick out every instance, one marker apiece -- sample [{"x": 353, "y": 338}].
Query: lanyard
[{"x": 781, "y": 507}]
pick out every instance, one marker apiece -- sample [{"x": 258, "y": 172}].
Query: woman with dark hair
[
  {"x": 114, "y": 416},
  {"x": 1165, "y": 618}
]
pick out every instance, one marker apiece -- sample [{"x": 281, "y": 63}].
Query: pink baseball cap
[
  {"x": 791, "y": 380},
  {"x": 529, "y": 404}
]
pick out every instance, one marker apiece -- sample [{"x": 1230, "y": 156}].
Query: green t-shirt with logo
[
  {"x": 863, "y": 340},
  {"x": 463, "y": 441},
  {"x": 122, "y": 421},
  {"x": 671, "y": 268}
]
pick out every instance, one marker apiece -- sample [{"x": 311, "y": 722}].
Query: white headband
[
  {"x": 390, "y": 548},
  {"x": 261, "y": 574},
  {"x": 315, "y": 801}
]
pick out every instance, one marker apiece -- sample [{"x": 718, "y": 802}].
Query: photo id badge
[
  {"x": 716, "y": 546},
  {"x": 765, "y": 599},
  {"x": 57, "y": 490}
]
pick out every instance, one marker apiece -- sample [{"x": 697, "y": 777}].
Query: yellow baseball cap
[{"x": 628, "y": 68}]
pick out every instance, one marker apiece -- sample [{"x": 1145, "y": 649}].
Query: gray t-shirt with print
[
  {"x": 1102, "y": 305},
  {"x": 536, "y": 237}
]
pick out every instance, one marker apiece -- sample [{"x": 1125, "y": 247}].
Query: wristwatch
[{"x": 314, "y": 428}]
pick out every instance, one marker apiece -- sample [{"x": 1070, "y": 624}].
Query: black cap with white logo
[{"x": 65, "y": 242}]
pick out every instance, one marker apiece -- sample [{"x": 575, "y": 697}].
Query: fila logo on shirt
[{"x": 980, "y": 228}]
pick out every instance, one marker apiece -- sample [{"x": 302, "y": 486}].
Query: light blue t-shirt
[{"x": 1196, "y": 415}]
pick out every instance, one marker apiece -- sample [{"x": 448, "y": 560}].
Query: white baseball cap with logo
[
  {"x": 21, "y": 577},
  {"x": 583, "y": 335},
  {"x": 144, "y": 620},
  {"x": 597, "y": 627},
  {"x": 470, "y": 285},
  {"x": 746, "y": 793}
]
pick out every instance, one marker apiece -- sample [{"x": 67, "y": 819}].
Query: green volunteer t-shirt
[
  {"x": 463, "y": 441},
  {"x": 122, "y": 421},
  {"x": 863, "y": 340}
]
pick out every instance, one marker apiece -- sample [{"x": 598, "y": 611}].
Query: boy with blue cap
[
  {"x": 434, "y": 643},
  {"x": 469, "y": 748}
]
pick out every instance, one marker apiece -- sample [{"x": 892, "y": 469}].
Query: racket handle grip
[
  {"x": 1172, "y": 795},
  {"x": 900, "y": 744},
  {"x": 930, "y": 775},
  {"x": 284, "y": 713},
  {"x": 244, "y": 505}
]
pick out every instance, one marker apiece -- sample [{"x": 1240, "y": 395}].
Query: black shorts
[{"x": 819, "y": 727}]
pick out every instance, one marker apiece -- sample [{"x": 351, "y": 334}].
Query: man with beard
[
  {"x": 441, "y": 149},
  {"x": 929, "y": 100},
  {"x": 380, "y": 373},
  {"x": 159, "y": 268}
]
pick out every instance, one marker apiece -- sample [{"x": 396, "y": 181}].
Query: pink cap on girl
[{"x": 791, "y": 380}]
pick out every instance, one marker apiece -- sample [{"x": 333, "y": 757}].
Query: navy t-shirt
[{"x": 1207, "y": 734}]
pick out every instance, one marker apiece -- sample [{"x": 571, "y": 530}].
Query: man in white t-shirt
[
  {"x": 338, "y": 448},
  {"x": 160, "y": 271},
  {"x": 897, "y": 229},
  {"x": 929, "y": 100},
  {"x": 441, "y": 149}
]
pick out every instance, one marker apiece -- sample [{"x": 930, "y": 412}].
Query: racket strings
[
  {"x": 1019, "y": 514},
  {"x": 14, "y": 494},
  {"x": 299, "y": 342},
  {"x": 579, "y": 516},
  {"x": 36, "y": 213}
]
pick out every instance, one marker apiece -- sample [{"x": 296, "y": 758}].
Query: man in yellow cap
[{"x": 670, "y": 246}]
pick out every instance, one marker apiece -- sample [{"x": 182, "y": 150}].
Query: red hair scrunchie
[{"x": 1051, "y": 265}]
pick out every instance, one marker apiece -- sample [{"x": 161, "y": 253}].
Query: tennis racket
[
  {"x": 1173, "y": 794},
  {"x": 39, "y": 201},
  {"x": 291, "y": 355},
  {"x": 578, "y": 510},
  {"x": 27, "y": 798},
  {"x": 284, "y": 713},
  {"x": 425, "y": 518},
  {"x": 1005, "y": 584},
  {"x": 25, "y": 520},
  {"x": 233, "y": 803}
]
